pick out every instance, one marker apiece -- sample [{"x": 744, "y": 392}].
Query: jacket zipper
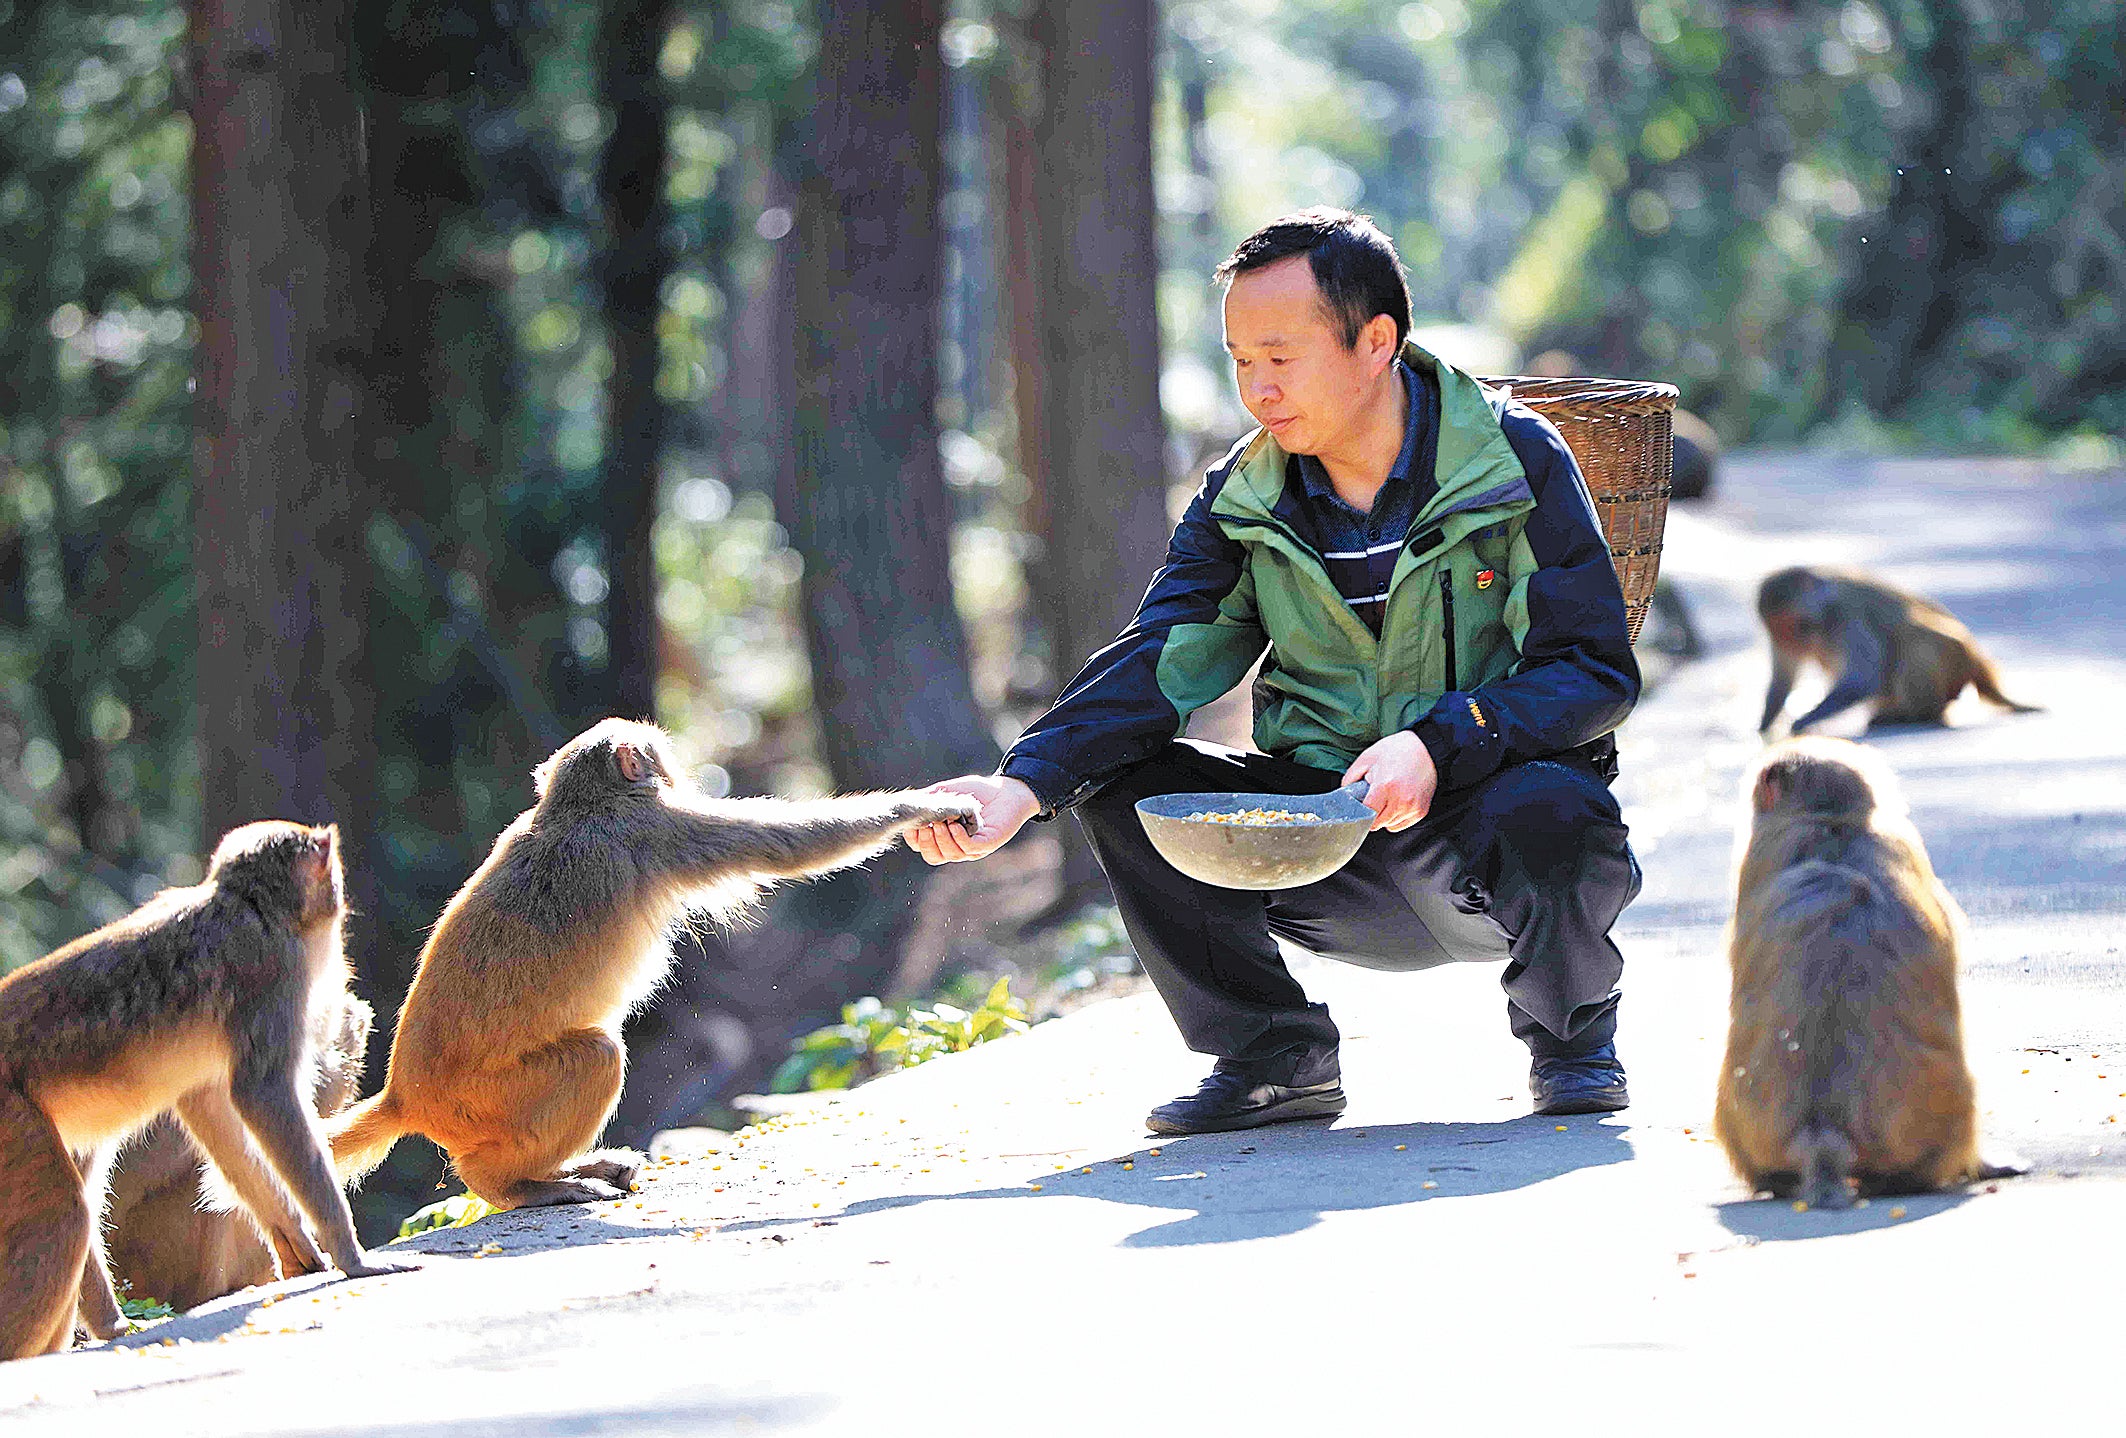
[{"x": 1446, "y": 602}]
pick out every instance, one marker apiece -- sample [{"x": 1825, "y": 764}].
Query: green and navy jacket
[{"x": 1502, "y": 639}]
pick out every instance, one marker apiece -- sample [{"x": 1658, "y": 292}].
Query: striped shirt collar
[{"x": 1397, "y": 492}]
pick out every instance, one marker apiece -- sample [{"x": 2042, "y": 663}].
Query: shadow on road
[
  {"x": 495, "y": 1238},
  {"x": 710, "y": 1414},
  {"x": 1771, "y": 1220},
  {"x": 1272, "y": 1181}
]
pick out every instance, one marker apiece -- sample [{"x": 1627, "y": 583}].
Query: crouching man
[{"x": 1417, "y": 563}]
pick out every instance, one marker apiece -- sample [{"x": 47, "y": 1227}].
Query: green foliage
[
  {"x": 872, "y": 1039},
  {"x": 145, "y": 1310},
  {"x": 453, "y": 1212},
  {"x": 98, "y": 780},
  {"x": 1792, "y": 212}
]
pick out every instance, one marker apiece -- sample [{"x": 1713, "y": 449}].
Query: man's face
[{"x": 1296, "y": 376}]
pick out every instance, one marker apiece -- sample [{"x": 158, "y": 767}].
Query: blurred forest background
[{"x": 391, "y": 389}]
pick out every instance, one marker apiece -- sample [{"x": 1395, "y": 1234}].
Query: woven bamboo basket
[{"x": 1618, "y": 429}]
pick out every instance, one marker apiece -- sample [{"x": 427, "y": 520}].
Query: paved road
[{"x": 990, "y": 1244}]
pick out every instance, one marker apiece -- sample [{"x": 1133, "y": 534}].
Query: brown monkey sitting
[
  {"x": 1875, "y": 641},
  {"x": 200, "y": 1001},
  {"x": 173, "y": 1233},
  {"x": 508, "y": 1051},
  {"x": 1845, "y": 1054}
]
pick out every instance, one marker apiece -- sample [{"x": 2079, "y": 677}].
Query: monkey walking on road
[
  {"x": 1845, "y": 1053},
  {"x": 173, "y": 1234},
  {"x": 508, "y": 1051},
  {"x": 199, "y": 1001},
  {"x": 1875, "y": 641}
]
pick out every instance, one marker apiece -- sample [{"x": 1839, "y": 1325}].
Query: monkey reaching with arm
[
  {"x": 199, "y": 1001},
  {"x": 1875, "y": 641},
  {"x": 508, "y": 1051},
  {"x": 1845, "y": 1054}
]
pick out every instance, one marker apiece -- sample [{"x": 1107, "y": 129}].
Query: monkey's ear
[
  {"x": 1765, "y": 796},
  {"x": 313, "y": 862},
  {"x": 635, "y": 766}
]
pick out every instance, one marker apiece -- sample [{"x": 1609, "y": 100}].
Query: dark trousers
[{"x": 1529, "y": 868}]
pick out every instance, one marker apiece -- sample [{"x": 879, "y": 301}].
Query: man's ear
[{"x": 1377, "y": 342}]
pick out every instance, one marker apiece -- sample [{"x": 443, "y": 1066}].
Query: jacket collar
[{"x": 1476, "y": 466}]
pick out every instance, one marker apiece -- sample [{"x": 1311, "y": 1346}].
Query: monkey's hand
[
  {"x": 940, "y": 807},
  {"x": 298, "y": 1252},
  {"x": 362, "y": 1266},
  {"x": 1005, "y": 805}
]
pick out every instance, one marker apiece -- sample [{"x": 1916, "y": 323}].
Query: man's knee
[{"x": 1557, "y": 817}]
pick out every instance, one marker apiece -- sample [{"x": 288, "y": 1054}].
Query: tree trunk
[
  {"x": 1102, "y": 486},
  {"x": 633, "y": 270},
  {"x": 279, "y": 207},
  {"x": 869, "y": 511},
  {"x": 1909, "y": 281},
  {"x": 872, "y": 517}
]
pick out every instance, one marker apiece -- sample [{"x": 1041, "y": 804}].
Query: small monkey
[
  {"x": 508, "y": 1051},
  {"x": 173, "y": 1233},
  {"x": 1875, "y": 641},
  {"x": 1845, "y": 1053},
  {"x": 199, "y": 1001}
]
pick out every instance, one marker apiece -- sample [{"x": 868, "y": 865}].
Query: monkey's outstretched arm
[
  {"x": 1866, "y": 664},
  {"x": 782, "y": 839}
]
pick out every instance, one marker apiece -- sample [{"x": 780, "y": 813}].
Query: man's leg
[
  {"x": 1528, "y": 869},
  {"x": 1551, "y": 865},
  {"x": 1209, "y": 952}
]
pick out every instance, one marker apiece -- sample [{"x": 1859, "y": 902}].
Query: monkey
[
  {"x": 173, "y": 1232},
  {"x": 198, "y": 1001},
  {"x": 1845, "y": 1066},
  {"x": 1694, "y": 456},
  {"x": 508, "y": 1052},
  {"x": 1905, "y": 652}
]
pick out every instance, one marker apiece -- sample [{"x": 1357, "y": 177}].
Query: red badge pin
[{"x": 1484, "y": 578}]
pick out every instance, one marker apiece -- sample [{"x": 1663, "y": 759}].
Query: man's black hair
[{"x": 1355, "y": 266}]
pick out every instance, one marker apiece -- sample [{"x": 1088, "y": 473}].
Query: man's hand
[
  {"x": 1006, "y": 806},
  {"x": 1402, "y": 780}
]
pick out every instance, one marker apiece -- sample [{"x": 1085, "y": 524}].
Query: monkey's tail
[
  {"x": 1837, "y": 940},
  {"x": 362, "y": 1134},
  {"x": 1987, "y": 681},
  {"x": 1826, "y": 1156}
]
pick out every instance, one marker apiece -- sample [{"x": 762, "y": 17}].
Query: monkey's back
[
  {"x": 109, "y": 1029},
  {"x": 1844, "y": 1013},
  {"x": 548, "y": 934}
]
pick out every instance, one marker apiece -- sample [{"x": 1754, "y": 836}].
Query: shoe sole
[
  {"x": 1600, "y": 1101},
  {"x": 1326, "y": 1105}
]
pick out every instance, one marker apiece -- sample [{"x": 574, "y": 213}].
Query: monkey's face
[
  {"x": 324, "y": 879},
  {"x": 1793, "y": 604},
  {"x": 615, "y": 761},
  {"x": 1818, "y": 776},
  {"x": 292, "y": 867}
]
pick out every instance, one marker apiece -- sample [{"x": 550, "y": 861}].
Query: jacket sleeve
[
  {"x": 1576, "y": 678},
  {"x": 1193, "y": 638}
]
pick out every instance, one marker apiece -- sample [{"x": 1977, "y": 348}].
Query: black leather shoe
[
  {"x": 1233, "y": 1098},
  {"x": 1592, "y": 1082}
]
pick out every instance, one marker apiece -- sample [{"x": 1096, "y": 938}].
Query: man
[{"x": 1417, "y": 563}]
